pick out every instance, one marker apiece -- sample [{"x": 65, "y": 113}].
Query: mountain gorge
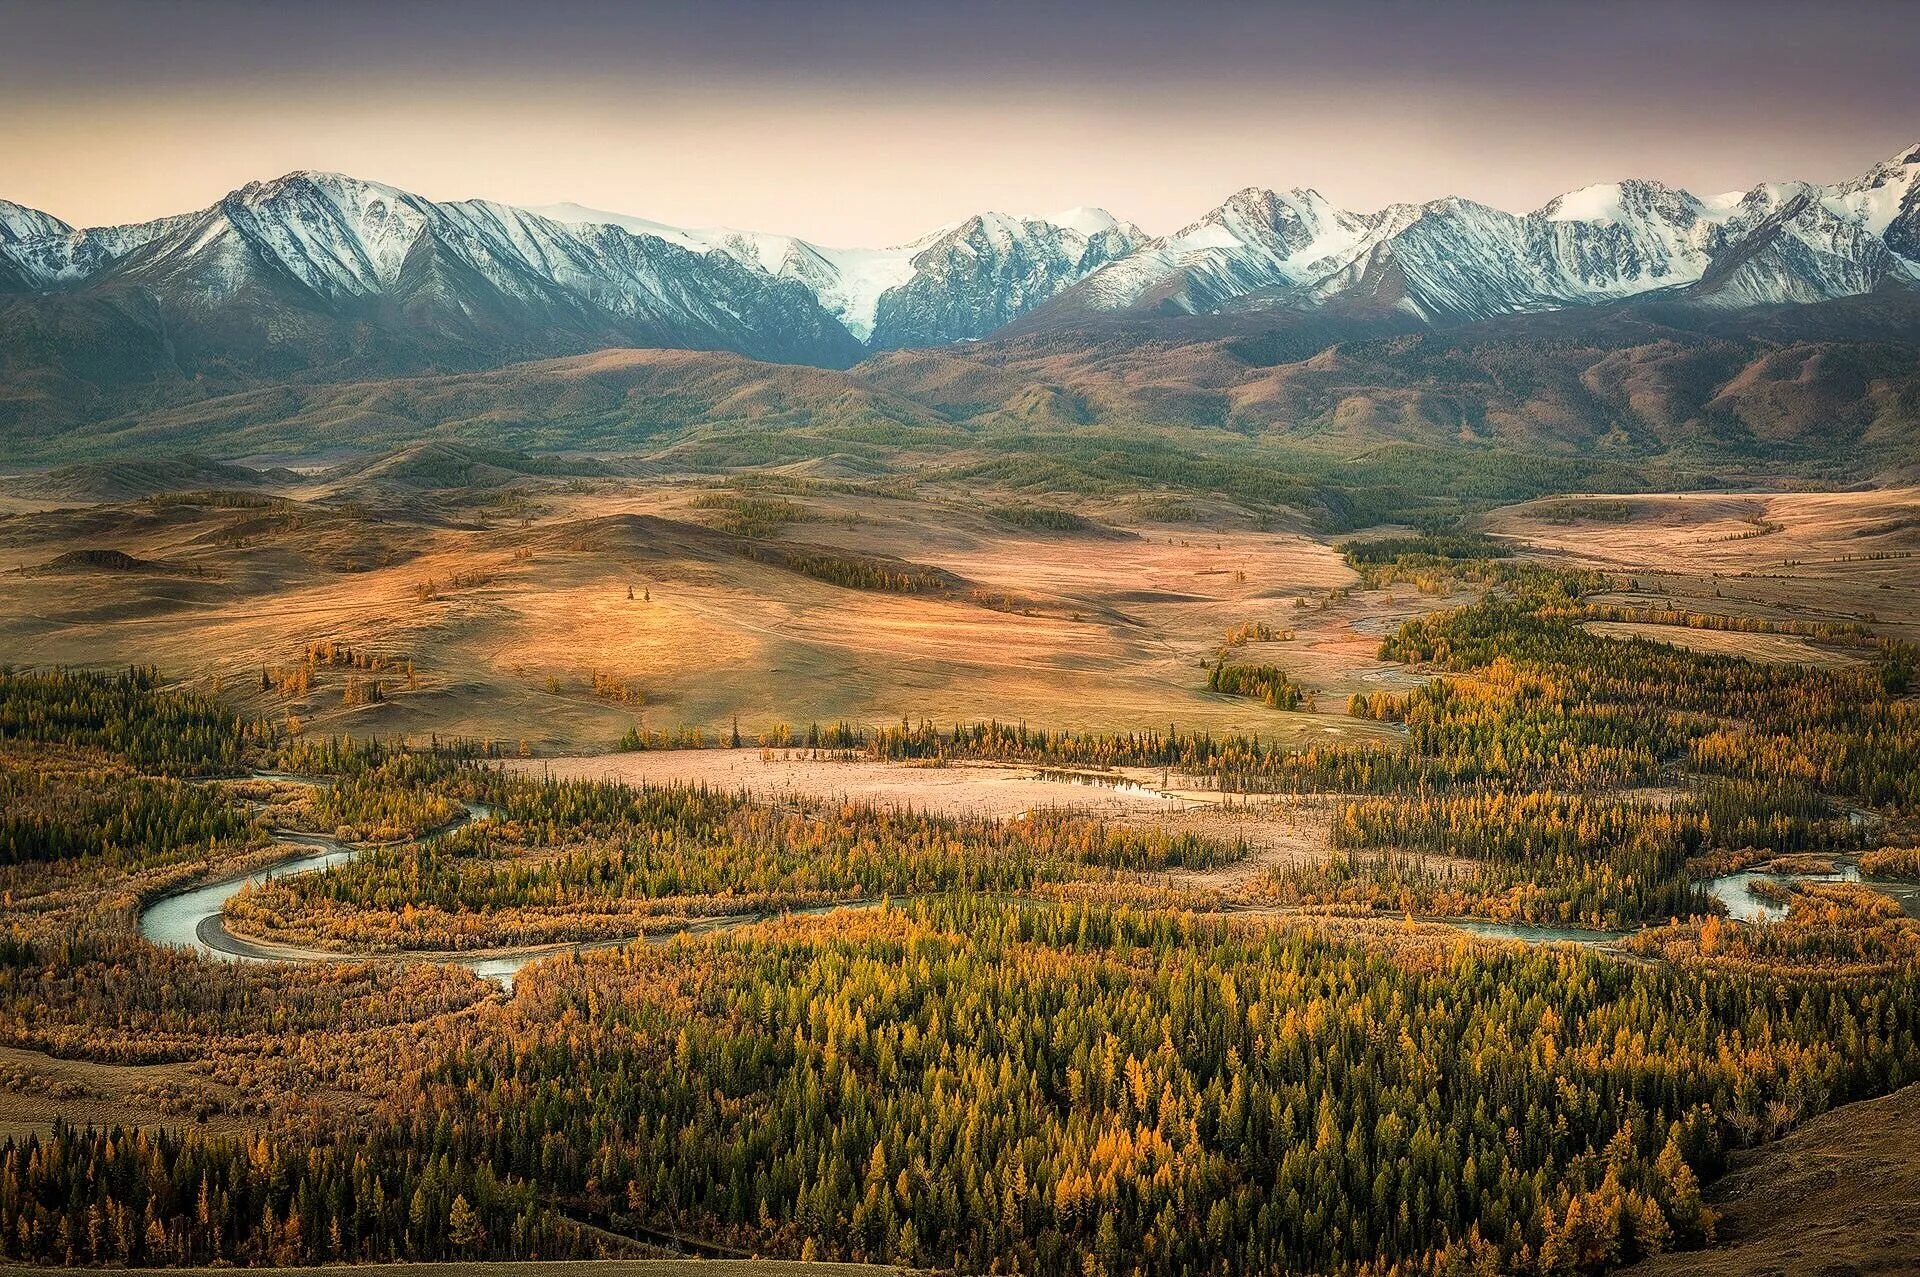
[{"x": 960, "y": 282}]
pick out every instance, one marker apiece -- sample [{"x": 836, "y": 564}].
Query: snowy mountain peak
[
  {"x": 1256, "y": 205},
  {"x": 309, "y": 179},
  {"x": 1624, "y": 201},
  {"x": 989, "y": 270},
  {"x": 1884, "y": 194},
  {"x": 1453, "y": 258},
  {"x": 1028, "y": 258},
  {"x": 310, "y": 249},
  {"x": 1089, "y": 222},
  {"x": 1904, "y": 160},
  {"x": 338, "y": 235},
  {"x": 1278, "y": 227},
  {"x": 18, "y": 224}
]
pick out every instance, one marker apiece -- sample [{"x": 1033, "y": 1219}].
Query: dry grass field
[
  {"x": 1783, "y": 649},
  {"x": 518, "y": 624},
  {"x": 1804, "y": 556},
  {"x": 37, "y": 1088},
  {"x": 1275, "y": 828},
  {"x": 504, "y": 613}
]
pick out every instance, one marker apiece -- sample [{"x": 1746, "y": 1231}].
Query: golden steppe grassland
[
  {"x": 509, "y": 618},
  {"x": 519, "y": 625}
]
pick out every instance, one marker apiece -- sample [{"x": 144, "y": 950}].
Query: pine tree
[{"x": 464, "y": 1228}]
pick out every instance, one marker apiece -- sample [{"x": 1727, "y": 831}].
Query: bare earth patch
[
  {"x": 1276, "y": 829},
  {"x": 1779, "y": 649}
]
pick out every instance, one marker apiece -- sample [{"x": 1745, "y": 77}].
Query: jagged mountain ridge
[
  {"x": 1454, "y": 259},
  {"x": 314, "y": 272},
  {"x": 309, "y": 254}
]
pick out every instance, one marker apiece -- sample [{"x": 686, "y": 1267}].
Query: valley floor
[
  {"x": 515, "y": 623},
  {"x": 591, "y": 632},
  {"x": 1277, "y": 829}
]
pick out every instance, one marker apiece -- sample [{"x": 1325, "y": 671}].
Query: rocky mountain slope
[{"x": 297, "y": 269}]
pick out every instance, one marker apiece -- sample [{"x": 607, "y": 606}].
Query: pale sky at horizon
[{"x": 858, "y": 122}]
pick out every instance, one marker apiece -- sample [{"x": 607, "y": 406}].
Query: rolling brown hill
[
  {"x": 1831, "y": 388},
  {"x": 1836, "y": 1198},
  {"x": 1807, "y": 381},
  {"x": 619, "y": 401}
]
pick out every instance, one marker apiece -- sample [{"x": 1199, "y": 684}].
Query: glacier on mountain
[{"x": 956, "y": 282}]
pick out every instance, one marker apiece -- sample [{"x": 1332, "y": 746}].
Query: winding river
[
  {"x": 194, "y": 917},
  {"x": 1735, "y": 890}
]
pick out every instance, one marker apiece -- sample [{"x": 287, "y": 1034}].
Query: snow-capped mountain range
[
  {"x": 321, "y": 246},
  {"x": 341, "y": 243},
  {"x": 317, "y": 255},
  {"x": 1456, "y": 259}
]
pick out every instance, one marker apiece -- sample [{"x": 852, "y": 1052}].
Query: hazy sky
[{"x": 856, "y": 121}]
